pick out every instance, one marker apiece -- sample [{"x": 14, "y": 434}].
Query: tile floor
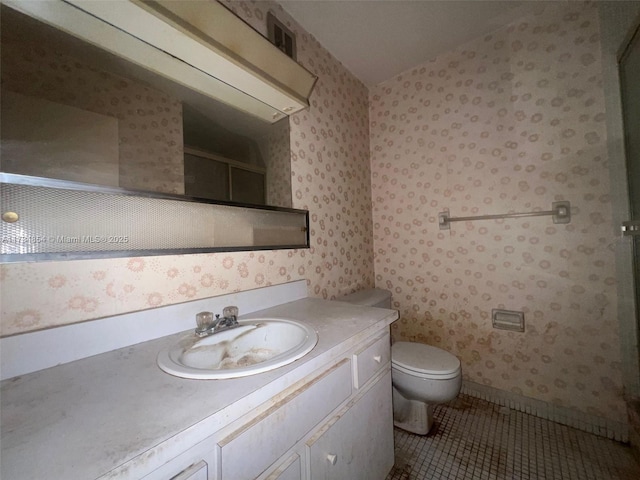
[{"x": 477, "y": 440}]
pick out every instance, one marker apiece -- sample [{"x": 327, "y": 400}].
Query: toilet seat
[
  {"x": 428, "y": 376},
  {"x": 424, "y": 361}
]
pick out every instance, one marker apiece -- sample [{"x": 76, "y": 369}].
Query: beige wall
[
  {"x": 509, "y": 122},
  {"x": 330, "y": 177}
]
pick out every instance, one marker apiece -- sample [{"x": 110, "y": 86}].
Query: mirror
[{"x": 72, "y": 111}]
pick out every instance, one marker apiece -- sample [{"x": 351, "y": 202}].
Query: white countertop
[{"x": 87, "y": 419}]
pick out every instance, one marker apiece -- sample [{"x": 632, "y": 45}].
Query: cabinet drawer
[
  {"x": 251, "y": 449},
  {"x": 370, "y": 359}
]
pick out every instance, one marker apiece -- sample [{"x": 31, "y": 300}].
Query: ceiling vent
[{"x": 281, "y": 36}]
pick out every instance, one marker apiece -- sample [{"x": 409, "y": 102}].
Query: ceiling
[{"x": 377, "y": 39}]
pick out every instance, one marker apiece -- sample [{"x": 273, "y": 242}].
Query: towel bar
[{"x": 560, "y": 211}]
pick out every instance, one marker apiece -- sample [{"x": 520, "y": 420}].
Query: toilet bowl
[{"x": 422, "y": 375}]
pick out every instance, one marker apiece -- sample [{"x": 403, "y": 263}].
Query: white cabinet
[
  {"x": 336, "y": 424},
  {"x": 249, "y": 450},
  {"x": 357, "y": 443}
]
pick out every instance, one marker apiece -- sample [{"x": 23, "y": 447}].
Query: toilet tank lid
[
  {"x": 366, "y": 298},
  {"x": 423, "y": 358}
]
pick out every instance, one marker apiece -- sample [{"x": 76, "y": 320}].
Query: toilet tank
[{"x": 372, "y": 297}]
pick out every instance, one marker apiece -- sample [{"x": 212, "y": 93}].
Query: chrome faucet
[{"x": 207, "y": 325}]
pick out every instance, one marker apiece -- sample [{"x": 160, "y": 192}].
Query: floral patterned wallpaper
[
  {"x": 330, "y": 176},
  {"x": 274, "y": 148},
  {"x": 508, "y": 123}
]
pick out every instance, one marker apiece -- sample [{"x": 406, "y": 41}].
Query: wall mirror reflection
[{"x": 71, "y": 111}]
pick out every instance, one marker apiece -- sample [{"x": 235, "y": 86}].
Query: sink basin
[{"x": 256, "y": 346}]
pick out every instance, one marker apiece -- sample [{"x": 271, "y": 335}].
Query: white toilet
[{"x": 422, "y": 375}]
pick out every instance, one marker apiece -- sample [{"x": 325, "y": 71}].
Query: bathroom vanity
[{"x": 327, "y": 415}]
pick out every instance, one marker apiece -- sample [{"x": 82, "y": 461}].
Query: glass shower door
[{"x": 630, "y": 92}]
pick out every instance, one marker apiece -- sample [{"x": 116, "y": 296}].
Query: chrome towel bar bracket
[{"x": 560, "y": 211}]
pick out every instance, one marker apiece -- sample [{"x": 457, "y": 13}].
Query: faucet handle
[
  {"x": 230, "y": 312},
  {"x": 204, "y": 320}
]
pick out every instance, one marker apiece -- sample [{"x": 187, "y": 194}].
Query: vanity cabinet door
[
  {"x": 357, "y": 443},
  {"x": 252, "y": 448}
]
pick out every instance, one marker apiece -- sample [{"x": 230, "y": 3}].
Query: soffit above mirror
[{"x": 200, "y": 45}]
